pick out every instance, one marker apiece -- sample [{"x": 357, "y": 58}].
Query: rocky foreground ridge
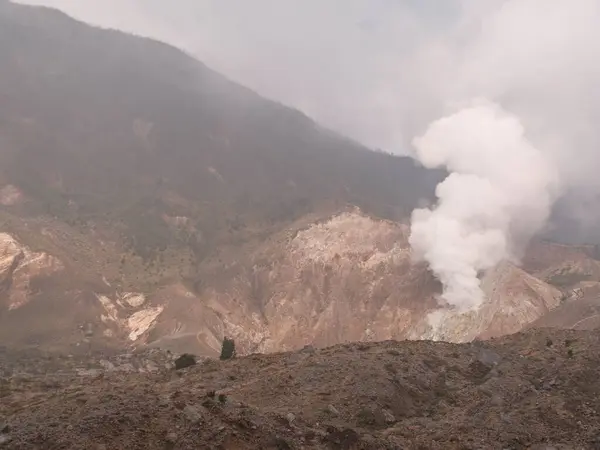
[{"x": 533, "y": 390}]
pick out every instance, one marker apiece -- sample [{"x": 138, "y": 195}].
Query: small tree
[{"x": 228, "y": 349}]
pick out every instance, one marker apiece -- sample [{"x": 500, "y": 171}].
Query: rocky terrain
[
  {"x": 149, "y": 206},
  {"x": 343, "y": 278},
  {"x": 347, "y": 278},
  {"x": 533, "y": 390}
]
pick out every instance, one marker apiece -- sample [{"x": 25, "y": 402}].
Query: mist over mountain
[
  {"x": 147, "y": 199},
  {"x": 104, "y": 114},
  {"x": 382, "y": 72},
  {"x": 128, "y": 167}
]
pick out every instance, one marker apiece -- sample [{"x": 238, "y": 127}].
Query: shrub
[{"x": 228, "y": 349}]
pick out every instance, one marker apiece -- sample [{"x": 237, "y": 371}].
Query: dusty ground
[{"x": 534, "y": 390}]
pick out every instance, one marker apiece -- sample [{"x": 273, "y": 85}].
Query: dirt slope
[
  {"x": 534, "y": 390},
  {"x": 576, "y": 271}
]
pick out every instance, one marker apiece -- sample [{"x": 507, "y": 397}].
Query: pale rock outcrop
[
  {"x": 18, "y": 267},
  {"x": 351, "y": 278},
  {"x": 10, "y": 195},
  {"x": 141, "y": 321},
  {"x": 118, "y": 314},
  {"x": 513, "y": 300},
  {"x": 133, "y": 299},
  {"x": 348, "y": 277}
]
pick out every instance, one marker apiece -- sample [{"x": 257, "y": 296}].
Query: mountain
[
  {"x": 98, "y": 125},
  {"x": 146, "y": 199},
  {"x": 130, "y": 157},
  {"x": 536, "y": 390}
]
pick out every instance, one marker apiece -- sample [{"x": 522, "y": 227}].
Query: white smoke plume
[
  {"x": 498, "y": 195},
  {"x": 507, "y": 169}
]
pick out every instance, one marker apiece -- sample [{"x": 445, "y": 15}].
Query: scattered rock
[
  {"x": 192, "y": 413},
  {"x": 342, "y": 439},
  {"x": 107, "y": 365},
  {"x": 185, "y": 360},
  {"x": 332, "y": 410},
  {"x": 389, "y": 417},
  {"x": 549, "y": 384},
  {"x": 373, "y": 417},
  {"x": 127, "y": 368},
  {"x": 88, "y": 372},
  {"x": 308, "y": 349},
  {"x": 488, "y": 357},
  {"x": 478, "y": 370},
  {"x": 278, "y": 443}
]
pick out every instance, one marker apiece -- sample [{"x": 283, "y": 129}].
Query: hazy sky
[
  {"x": 382, "y": 70},
  {"x": 344, "y": 62}
]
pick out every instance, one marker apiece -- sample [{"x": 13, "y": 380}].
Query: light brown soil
[{"x": 534, "y": 390}]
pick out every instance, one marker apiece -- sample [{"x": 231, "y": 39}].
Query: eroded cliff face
[
  {"x": 347, "y": 277},
  {"x": 513, "y": 300},
  {"x": 19, "y": 267}
]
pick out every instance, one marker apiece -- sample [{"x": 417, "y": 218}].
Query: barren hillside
[
  {"x": 146, "y": 199},
  {"x": 535, "y": 390},
  {"x": 127, "y": 166}
]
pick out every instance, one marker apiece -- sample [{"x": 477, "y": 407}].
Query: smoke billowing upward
[
  {"x": 499, "y": 193},
  {"x": 508, "y": 169}
]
